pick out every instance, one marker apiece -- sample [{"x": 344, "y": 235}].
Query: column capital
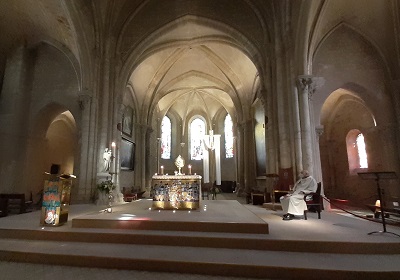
[
  {"x": 303, "y": 81},
  {"x": 319, "y": 131},
  {"x": 309, "y": 84},
  {"x": 84, "y": 98}
]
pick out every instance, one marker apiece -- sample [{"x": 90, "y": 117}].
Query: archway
[
  {"x": 53, "y": 140},
  {"x": 193, "y": 69},
  {"x": 344, "y": 116}
]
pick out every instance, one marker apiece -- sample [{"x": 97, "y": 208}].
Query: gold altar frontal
[{"x": 176, "y": 192}]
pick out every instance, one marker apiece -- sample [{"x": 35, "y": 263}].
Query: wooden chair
[
  {"x": 205, "y": 190},
  {"x": 314, "y": 201}
]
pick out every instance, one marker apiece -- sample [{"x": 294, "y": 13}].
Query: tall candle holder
[{"x": 110, "y": 199}]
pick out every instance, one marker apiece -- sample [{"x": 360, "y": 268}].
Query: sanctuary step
[
  {"x": 212, "y": 216},
  {"x": 212, "y": 261},
  {"x": 251, "y": 255}
]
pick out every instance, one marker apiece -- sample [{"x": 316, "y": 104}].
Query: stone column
[
  {"x": 297, "y": 132},
  {"x": 240, "y": 157},
  {"x": 14, "y": 108},
  {"x": 396, "y": 105},
  {"x": 118, "y": 112},
  {"x": 269, "y": 133},
  {"x": 262, "y": 97},
  {"x": 248, "y": 155},
  {"x": 86, "y": 159},
  {"x": 218, "y": 159},
  {"x": 317, "y": 159},
  {"x": 307, "y": 86},
  {"x": 317, "y": 82},
  {"x": 142, "y": 159},
  {"x": 147, "y": 174},
  {"x": 304, "y": 86}
]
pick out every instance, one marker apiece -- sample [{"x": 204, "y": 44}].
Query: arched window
[
  {"x": 362, "y": 151},
  {"x": 228, "y": 127},
  {"x": 166, "y": 138},
  {"x": 197, "y": 132},
  {"x": 356, "y": 151}
]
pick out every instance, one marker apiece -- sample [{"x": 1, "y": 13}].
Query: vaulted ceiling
[{"x": 183, "y": 55}]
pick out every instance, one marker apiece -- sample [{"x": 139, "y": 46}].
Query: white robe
[{"x": 294, "y": 203}]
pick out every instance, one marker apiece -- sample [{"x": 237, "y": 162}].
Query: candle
[
  {"x": 162, "y": 170},
  {"x": 113, "y": 161},
  {"x": 190, "y": 169}
]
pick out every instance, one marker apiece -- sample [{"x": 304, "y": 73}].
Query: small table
[
  {"x": 279, "y": 193},
  {"x": 257, "y": 198}
]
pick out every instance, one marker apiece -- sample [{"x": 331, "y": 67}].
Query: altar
[{"x": 176, "y": 191}]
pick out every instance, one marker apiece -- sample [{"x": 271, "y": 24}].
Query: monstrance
[{"x": 179, "y": 162}]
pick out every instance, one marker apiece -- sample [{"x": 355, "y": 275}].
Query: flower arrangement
[{"x": 106, "y": 186}]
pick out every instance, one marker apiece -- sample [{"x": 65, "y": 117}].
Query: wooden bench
[
  {"x": 129, "y": 197},
  {"x": 12, "y": 201}
]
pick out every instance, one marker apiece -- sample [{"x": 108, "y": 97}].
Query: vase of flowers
[{"x": 106, "y": 195}]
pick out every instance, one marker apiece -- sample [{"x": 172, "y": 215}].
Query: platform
[
  {"x": 212, "y": 216},
  {"x": 336, "y": 246}
]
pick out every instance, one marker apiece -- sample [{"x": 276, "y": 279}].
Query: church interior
[{"x": 240, "y": 95}]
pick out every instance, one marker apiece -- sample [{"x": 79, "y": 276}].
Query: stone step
[
  {"x": 197, "y": 260},
  {"x": 260, "y": 242}
]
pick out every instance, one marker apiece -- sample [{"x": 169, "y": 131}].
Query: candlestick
[
  {"x": 190, "y": 169},
  {"x": 162, "y": 170},
  {"x": 113, "y": 161}
]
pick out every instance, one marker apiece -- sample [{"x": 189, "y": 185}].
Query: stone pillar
[
  {"x": 248, "y": 155},
  {"x": 317, "y": 159},
  {"x": 146, "y": 172},
  {"x": 14, "y": 108},
  {"x": 396, "y": 105},
  {"x": 262, "y": 98},
  {"x": 240, "y": 157},
  {"x": 118, "y": 112},
  {"x": 304, "y": 85},
  {"x": 86, "y": 162},
  {"x": 297, "y": 132},
  {"x": 235, "y": 155},
  {"x": 270, "y": 134},
  {"x": 285, "y": 159},
  {"x": 307, "y": 86},
  {"x": 142, "y": 159}
]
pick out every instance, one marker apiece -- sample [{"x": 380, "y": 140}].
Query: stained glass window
[
  {"x": 362, "y": 152},
  {"x": 197, "y": 132},
  {"x": 166, "y": 138},
  {"x": 228, "y": 127}
]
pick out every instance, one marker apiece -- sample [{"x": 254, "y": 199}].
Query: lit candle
[
  {"x": 190, "y": 169},
  {"x": 113, "y": 161},
  {"x": 162, "y": 170}
]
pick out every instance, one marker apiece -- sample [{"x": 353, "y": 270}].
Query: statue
[{"x": 107, "y": 159}]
